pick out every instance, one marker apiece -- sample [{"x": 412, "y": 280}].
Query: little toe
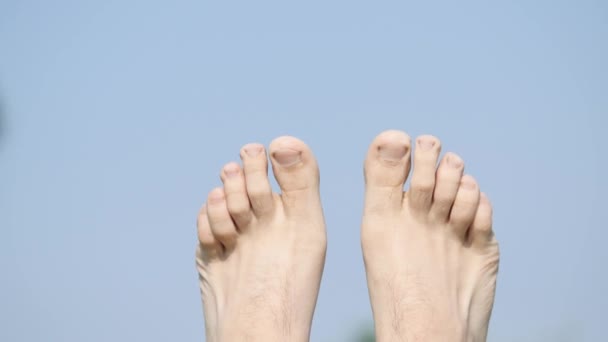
[
  {"x": 420, "y": 194},
  {"x": 387, "y": 166},
  {"x": 447, "y": 181},
  {"x": 221, "y": 223},
  {"x": 465, "y": 206},
  {"x": 255, "y": 165},
  {"x": 237, "y": 200},
  {"x": 480, "y": 233},
  {"x": 297, "y": 173},
  {"x": 209, "y": 247}
]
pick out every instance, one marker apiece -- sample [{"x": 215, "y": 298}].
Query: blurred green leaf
[{"x": 367, "y": 336}]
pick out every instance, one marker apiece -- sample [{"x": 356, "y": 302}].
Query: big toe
[
  {"x": 386, "y": 168},
  {"x": 296, "y": 171}
]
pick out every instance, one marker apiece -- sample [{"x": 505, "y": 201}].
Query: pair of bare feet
[{"x": 430, "y": 254}]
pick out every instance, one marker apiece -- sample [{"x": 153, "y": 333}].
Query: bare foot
[
  {"x": 261, "y": 254},
  {"x": 430, "y": 254}
]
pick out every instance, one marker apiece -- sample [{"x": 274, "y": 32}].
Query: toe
[
  {"x": 447, "y": 181},
  {"x": 255, "y": 165},
  {"x": 294, "y": 165},
  {"x": 465, "y": 206},
  {"x": 296, "y": 171},
  {"x": 237, "y": 200},
  {"x": 480, "y": 232},
  {"x": 208, "y": 245},
  {"x": 221, "y": 223},
  {"x": 386, "y": 168},
  {"x": 420, "y": 194}
]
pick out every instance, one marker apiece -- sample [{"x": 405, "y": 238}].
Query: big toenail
[
  {"x": 392, "y": 153},
  {"x": 426, "y": 144},
  {"x": 454, "y": 161},
  {"x": 287, "y": 157},
  {"x": 253, "y": 151}
]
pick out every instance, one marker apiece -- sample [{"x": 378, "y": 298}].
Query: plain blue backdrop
[{"x": 118, "y": 115}]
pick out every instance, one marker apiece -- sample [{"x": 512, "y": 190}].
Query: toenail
[
  {"x": 231, "y": 171},
  {"x": 467, "y": 185},
  {"x": 216, "y": 196},
  {"x": 253, "y": 151},
  {"x": 392, "y": 153},
  {"x": 287, "y": 157},
  {"x": 454, "y": 161},
  {"x": 426, "y": 144}
]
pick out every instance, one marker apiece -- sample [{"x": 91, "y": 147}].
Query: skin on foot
[
  {"x": 260, "y": 256},
  {"x": 430, "y": 254}
]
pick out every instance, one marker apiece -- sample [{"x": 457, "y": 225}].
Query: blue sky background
[{"x": 118, "y": 115}]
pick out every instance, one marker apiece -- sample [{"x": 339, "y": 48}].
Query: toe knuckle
[
  {"x": 238, "y": 207},
  {"x": 207, "y": 242},
  {"x": 443, "y": 199},
  {"x": 257, "y": 192},
  {"x": 484, "y": 227},
  {"x": 423, "y": 185},
  {"x": 241, "y": 215},
  {"x": 205, "y": 238},
  {"x": 225, "y": 234}
]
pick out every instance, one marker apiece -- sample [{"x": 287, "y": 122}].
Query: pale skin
[{"x": 430, "y": 254}]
